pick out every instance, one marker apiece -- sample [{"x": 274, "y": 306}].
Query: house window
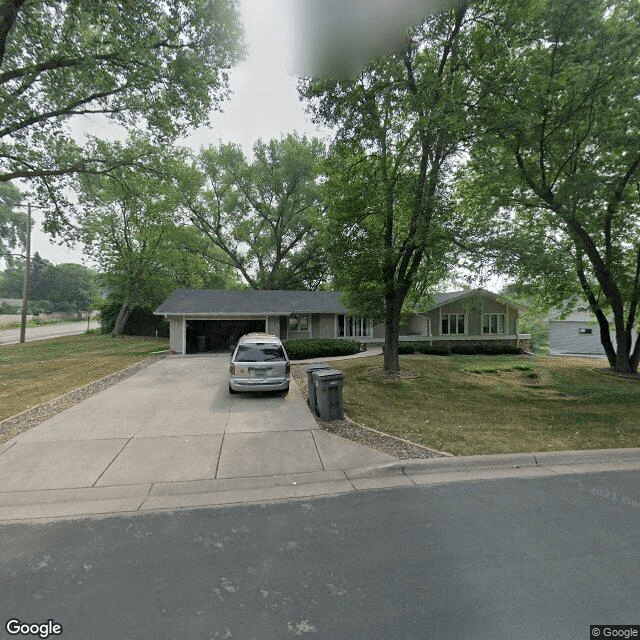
[
  {"x": 585, "y": 331},
  {"x": 452, "y": 323},
  {"x": 298, "y": 322},
  {"x": 493, "y": 323},
  {"x": 354, "y": 327}
]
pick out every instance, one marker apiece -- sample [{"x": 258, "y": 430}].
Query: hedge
[
  {"x": 321, "y": 348},
  {"x": 408, "y": 348}
]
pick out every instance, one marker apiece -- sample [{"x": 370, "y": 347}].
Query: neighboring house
[
  {"x": 203, "y": 319},
  {"x": 576, "y": 334}
]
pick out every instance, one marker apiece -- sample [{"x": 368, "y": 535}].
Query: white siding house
[{"x": 577, "y": 334}]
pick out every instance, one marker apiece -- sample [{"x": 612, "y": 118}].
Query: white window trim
[
  {"x": 494, "y": 333},
  {"x": 364, "y": 323},
  {"x": 297, "y": 315},
  {"x": 449, "y": 314}
]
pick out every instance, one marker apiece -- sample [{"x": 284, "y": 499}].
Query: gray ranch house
[{"x": 205, "y": 319}]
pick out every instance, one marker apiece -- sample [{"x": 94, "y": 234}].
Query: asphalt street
[
  {"x": 12, "y": 336},
  {"x": 513, "y": 559}
]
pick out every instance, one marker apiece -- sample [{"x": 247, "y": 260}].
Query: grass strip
[
  {"x": 38, "y": 371},
  {"x": 533, "y": 404}
]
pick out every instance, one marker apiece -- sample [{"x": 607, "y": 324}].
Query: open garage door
[{"x": 217, "y": 335}]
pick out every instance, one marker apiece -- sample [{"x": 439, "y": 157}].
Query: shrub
[
  {"x": 407, "y": 348},
  {"x": 141, "y": 322},
  {"x": 437, "y": 349},
  {"x": 434, "y": 349},
  {"x": 464, "y": 349},
  {"x": 497, "y": 349},
  {"x": 320, "y": 348}
]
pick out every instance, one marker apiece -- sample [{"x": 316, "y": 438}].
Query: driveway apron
[{"x": 174, "y": 422}]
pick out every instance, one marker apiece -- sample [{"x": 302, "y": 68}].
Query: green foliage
[
  {"x": 480, "y": 369},
  {"x": 409, "y": 348},
  {"x": 320, "y": 348},
  {"x": 132, "y": 225},
  {"x": 65, "y": 287},
  {"x": 553, "y": 178},
  {"x": 7, "y": 309},
  {"x": 13, "y": 222},
  {"x": 159, "y": 66},
  {"x": 263, "y": 215},
  {"x": 400, "y": 124},
  {"x": 141, "y": 322}
]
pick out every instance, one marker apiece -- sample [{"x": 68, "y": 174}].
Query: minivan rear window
[{"x": 260, "y": 353}]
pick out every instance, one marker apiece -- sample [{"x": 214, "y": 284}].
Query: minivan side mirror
[{"x": 232, "y": 347}]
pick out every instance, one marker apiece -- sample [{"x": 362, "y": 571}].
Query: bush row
[
  {"x": 321, "y": 348},
  {"x": 406, "y": 348}
]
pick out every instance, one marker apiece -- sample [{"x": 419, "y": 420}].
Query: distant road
[{"x": 12, "y": 336}]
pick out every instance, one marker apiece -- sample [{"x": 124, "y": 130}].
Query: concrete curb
[{"x": 104, "y": 501}]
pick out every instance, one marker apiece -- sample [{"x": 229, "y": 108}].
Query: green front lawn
[{"x": 504, "y": 404}]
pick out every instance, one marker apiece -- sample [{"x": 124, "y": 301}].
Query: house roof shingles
[
  {"x": 274, "y": 302},
  {"x": 219, "y": 301}
]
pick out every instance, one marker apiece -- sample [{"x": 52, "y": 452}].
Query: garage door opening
[{"x": 216, "y": 335}]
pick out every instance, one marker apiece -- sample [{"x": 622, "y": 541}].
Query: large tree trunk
[
  {"x": 623, "y": 353},
  {"x": 393, "y": 307},
  {"x": 634, "y": 361},
  {"x": 121, "y": 320}
]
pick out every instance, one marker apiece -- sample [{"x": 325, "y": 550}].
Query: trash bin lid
[
  {"x": 328, "y": 374},
  {"x": 318, "y": 365}
]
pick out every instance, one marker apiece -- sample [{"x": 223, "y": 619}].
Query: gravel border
[
  {"x": 33, "y": 416},
  {"x": 393, "y": 445}
]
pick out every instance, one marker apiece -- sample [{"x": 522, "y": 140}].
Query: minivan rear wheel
[{"x": 232, "y": 391}]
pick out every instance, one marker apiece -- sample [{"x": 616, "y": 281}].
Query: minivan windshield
[{"x": 260, "y": 353}]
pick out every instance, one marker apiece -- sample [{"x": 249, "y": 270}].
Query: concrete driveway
[{"x": 172, "y": 436}]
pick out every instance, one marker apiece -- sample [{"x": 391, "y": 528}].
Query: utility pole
[{"x": 25, "y": 286}]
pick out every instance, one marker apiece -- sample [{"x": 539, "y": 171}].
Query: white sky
[{"x": 264, "y": 105}]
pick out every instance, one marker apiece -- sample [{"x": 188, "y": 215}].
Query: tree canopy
[
  {"x": 131, "y": 224},
  {"x": 554, "y": 175},
  {"x": 263, "y": 214},
  {"x": 13, "y": 222},
  {"x": 400, "y": 124},
  {"x": 157, "y": 65}
]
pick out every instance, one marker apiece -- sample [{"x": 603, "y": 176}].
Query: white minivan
[{"x": 259, "y": 363}]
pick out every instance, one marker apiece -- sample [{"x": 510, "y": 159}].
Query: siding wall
[
  {"x": 273, "y": 325},
  {"x": 324, "y": 325},
  {"x": 298, "y": 335},
  {"x": 378, "y": 331},
  {"x": 564, "y": 337},
  {"x": 415, "y": 325},
  {"x": 474, "y": 319},
  {"x": 176, "y": 331},
  {"x": 434, "y": 315}
]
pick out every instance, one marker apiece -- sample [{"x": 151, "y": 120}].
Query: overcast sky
[{"x": 264, "y": 105}]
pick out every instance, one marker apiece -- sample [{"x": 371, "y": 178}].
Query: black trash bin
[
  {"x": 201, "y": 344},
  {"x": 313, "y": 404},
  {"x": 329, "y": 384}
]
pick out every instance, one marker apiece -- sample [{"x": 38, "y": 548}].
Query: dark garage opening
[{"x": 217, "y": 335}]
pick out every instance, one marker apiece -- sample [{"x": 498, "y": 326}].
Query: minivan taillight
[
  {"x": 232, "y": 369},
  {"x": 287, "y": 368}
]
